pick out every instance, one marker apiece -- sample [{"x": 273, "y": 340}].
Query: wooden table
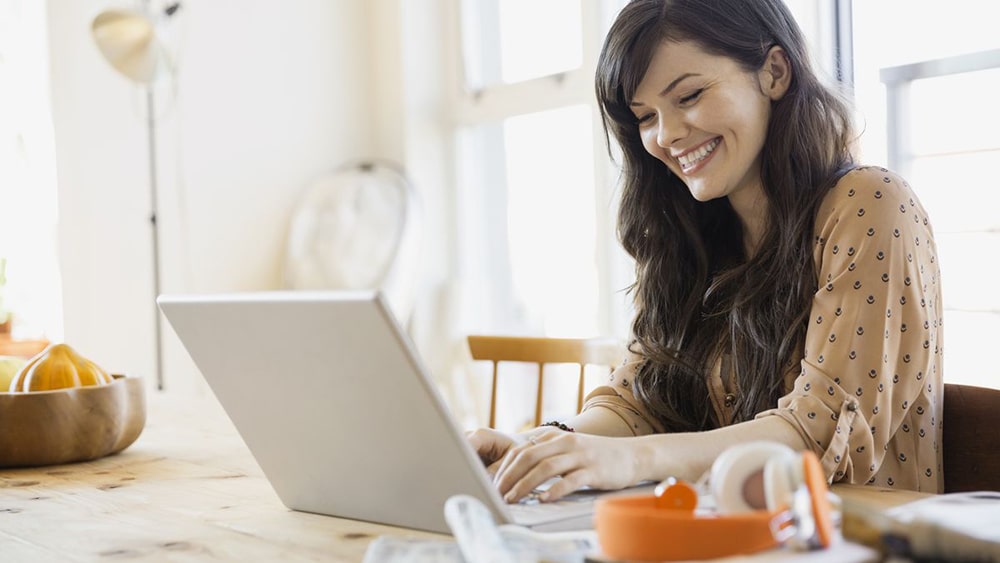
[{"x": 188, "y": 489}]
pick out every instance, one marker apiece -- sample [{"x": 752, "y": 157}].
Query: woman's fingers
[
  {"x": 581, "y": 460},
  {"x": 513, "y": 459},
  {"x": 511, "y": 454},
  {"x": 532, "y": 463},
  {"x": 555, "y": 466},
  {"x": 492, "y": 468},
  {"x": 491, "y": 445},
  {"x": 520, "y": 463},
  {"x": 569, "y": 483}
]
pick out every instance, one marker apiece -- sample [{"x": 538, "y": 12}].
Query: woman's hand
[
  {"x": 580, "y": 459},
  {"x": 492, "y": 445}
]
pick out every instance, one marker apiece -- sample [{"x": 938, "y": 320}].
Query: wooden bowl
[{"x": 68, "y": 425}]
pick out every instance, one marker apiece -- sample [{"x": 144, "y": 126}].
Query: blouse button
[
  {"x": 852, "y": 407},
  {"x": 730, "y": 400}
]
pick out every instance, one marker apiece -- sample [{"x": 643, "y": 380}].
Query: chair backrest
[
  {"x": 971, "y": 438},
  {"x": 542, "y": 351}
]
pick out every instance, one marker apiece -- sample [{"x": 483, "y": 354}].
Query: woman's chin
[{"x": 704, "y": 193}]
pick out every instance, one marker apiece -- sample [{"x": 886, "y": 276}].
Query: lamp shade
[{"x": 128, "y": 41}]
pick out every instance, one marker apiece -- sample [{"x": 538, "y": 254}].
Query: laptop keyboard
[{"x": 530, "y": 511}]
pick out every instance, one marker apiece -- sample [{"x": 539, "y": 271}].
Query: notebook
[{"x": 330, "y": 397}]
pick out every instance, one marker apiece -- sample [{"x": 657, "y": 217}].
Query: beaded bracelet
[{"x": 559, "y": 425}]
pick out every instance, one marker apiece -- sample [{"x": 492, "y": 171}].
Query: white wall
[{"x": 268, "y": 96}]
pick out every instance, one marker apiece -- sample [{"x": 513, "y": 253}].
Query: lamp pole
[
  {"x": 153, "y": 204},
  {"x": 127, "y": 39}
]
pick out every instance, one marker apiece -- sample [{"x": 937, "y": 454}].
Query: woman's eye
[
  {"x": 692, "y": 96},
  {"x": 645, "y": 118}
]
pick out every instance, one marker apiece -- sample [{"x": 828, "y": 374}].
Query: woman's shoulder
[
  {"x": 870, "y": 191},
  {"x": 871, "y": 181}
]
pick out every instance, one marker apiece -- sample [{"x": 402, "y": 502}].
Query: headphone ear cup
[
  {"x": 783, "y": 475},
  {"x": 735, "y": 467}
]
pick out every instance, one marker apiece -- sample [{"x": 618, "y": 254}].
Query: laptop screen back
[{"x": 326, "y": 391}]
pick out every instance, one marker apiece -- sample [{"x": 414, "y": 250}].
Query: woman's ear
[{"x": 775, "y": 75}]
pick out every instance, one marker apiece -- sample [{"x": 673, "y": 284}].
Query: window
[
  {"x": 534, "y": 188},
  {"x": 509, "y": 41},
  {"x": 533, "y": 202},
  {"x": 547, "y": 246},
  {"x": 928, "y": 109}
]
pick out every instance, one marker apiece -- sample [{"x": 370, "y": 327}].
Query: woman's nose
[{"x": 671, "y": 130}]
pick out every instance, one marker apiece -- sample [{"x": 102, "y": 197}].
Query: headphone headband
[
  {"x": 665, "y": 526},
  {"x": 638, "y": 528}
]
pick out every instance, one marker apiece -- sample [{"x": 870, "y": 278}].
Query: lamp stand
[
  {"x": 157, "y": 322},
  {"x": 128, "y": 41}
]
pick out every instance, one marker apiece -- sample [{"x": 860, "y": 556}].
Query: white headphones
[
  {"x": 770, "y": 476},
  {"x": 765, "y": 494},
  {"x": 739, "y": 472}
]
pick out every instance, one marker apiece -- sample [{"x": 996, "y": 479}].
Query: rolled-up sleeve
[
  {"x": 618, "y": 396},
  {"x": 870, "y": 368}
]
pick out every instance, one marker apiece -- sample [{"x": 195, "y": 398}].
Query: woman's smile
[{"x": 694, "y": 160}]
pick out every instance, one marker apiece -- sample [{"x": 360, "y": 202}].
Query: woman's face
[{"x": 706, "y": 118}]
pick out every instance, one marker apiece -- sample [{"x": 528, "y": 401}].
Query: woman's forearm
[
  {"x": 599, "y": 421},
  {"x": 684, "y": 455},
  {"x": 688, "y": 455}
]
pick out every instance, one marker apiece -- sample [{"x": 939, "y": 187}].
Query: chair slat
[{"x": 542, "y": 351}]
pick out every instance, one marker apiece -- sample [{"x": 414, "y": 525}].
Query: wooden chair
[
  {"x": 971, "y": 438},
  {"x": 541, "y": 351}
]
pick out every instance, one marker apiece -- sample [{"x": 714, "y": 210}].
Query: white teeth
[{"x": 696, "y": 156}]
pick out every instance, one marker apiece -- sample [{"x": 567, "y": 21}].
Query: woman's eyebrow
[{"x": 673, "y": 84}]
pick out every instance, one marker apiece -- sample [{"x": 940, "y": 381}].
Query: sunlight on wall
[{"x": 28, "y": 211}]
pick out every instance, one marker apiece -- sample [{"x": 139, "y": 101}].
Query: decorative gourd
[{"x": 58, "y": 367}]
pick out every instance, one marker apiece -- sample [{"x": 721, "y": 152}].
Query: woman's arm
[
  {"x": 604, "y": 462},
  {"x": 607, "y": 412},
  {"x": 493, "y": 445},
  {"x": 867, "y": 398},
  {"x": 599, "y": 421}
]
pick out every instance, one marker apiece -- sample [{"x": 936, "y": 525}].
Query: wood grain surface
[{"x": 186, "y": 490}]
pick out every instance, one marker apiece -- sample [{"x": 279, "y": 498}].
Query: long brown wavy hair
[{"x": 697, "y": 294}]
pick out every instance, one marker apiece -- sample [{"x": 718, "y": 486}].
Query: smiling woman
[{"x": 783, "y": 292}]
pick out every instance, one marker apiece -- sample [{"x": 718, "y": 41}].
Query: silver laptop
[{"x": 329, "y": 395}]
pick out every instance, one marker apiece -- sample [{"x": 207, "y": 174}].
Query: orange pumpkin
[{"x": 57, "y": 367}]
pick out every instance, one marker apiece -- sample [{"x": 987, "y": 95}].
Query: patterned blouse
[{"x": 867, "y": 396}]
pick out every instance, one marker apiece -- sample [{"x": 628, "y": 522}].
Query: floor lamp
[{"x": 128, "y": 41}]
